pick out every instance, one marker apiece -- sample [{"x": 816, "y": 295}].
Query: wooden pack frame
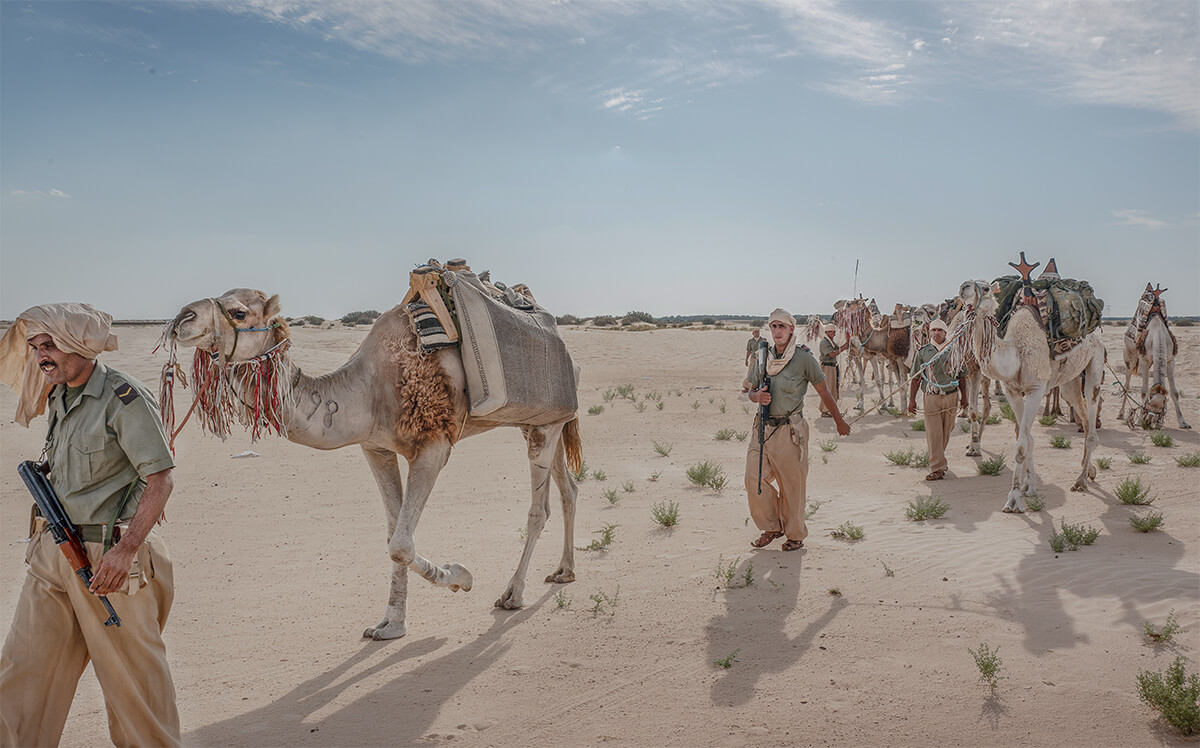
[{"x": 423, "y": 283}]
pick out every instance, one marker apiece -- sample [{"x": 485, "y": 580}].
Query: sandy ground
[{"x": 281, "y": 563}]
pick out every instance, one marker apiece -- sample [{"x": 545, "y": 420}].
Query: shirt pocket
[{"x": 87, "y": 457}]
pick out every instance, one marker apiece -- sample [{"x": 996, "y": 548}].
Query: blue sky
[{"x": 675, "y": 157}]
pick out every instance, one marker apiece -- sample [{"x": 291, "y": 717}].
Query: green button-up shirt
[
  {"x": 936, "y": 378},
  {"x": 110, "y": 437},
  {"x": 829, "y": 352},
  {"x": 790, "y": 385}
]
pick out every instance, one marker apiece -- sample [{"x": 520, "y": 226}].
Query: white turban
[
  {"x": 781, "y": 315},
  {"x": 830, "y": 328},
  {"x": 74, "y": 328},
  {"x": 938, "y": 324}
]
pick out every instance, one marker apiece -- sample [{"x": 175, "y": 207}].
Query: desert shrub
[
  {"x": 1149, "y": 523},
  {"x": 611, "y": 495},
  {"x": 1191, "y": 459},
  {"x": 1072, "y": 536},
  {"x": 599, "y": 475},
  {"x": 665, "y": 514},
  {"x": 595, "y": 410},
  {"x": 992, "y": 466},
  {"x": 828, "y": 445},
  {"x": 811, "y": 509},
  {"x": 993, "y": 419},
  {"x": 848, "y": 531},
  {"x": 640, "y": 407},
  {"x": 1007, "y": 411},
  {"x": 663, "y": 448},
  {"x": 1034, "y": 503},
  {"x": 1165, "y": 634},
  {"x": 628, "y": 487},
  {"x": 1131, "y": 491},
  {"x": 626, "y": 391},
  {"x": 726, "y": 570},
  {"x": 602, "y": 603},
  {"x": 309, "y": 319},
  {"x": 604, "y": 320},
  {"x": 707, "y": 473},
  {"x": 727, "y": 661},
  {"x": 607, "y": 534},
  {"x": 632, "y": 317},
  {"x": 921, "y": 459},
  {"x": 582, "y": 473},
  {"x": 1161, "y": 438},
  {"x": 926, "y": 507},
  {"x": 708, "y": 321},
  {"x": 567, "y": 319},
  {"x": 724, "y": 435},
  {"x": 1104, "y": 463},
  {"x": 1139, "y": 458},
  {"x": 902, "y": 458},
  {"x": 1058, "y": 441},
  {"x": 988, "y": 661},
  {"x": 1047, "y": 420},
  {"x": 360, "y": 318},
  {"x": 918, "y": 425},
  {"x": 1174, "y": 693}
]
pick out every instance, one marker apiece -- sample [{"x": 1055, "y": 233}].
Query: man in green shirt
[
  {"x": 829, "y": 351},
  {"x": 779, "y": 509},
  {"x": 940, "y": 386},
  {"x": 111, "y": 468},
  {"x": 752, "y": 345}
]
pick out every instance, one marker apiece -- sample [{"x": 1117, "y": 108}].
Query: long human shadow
[
  {"x": 754, "y": 624},
  {"x": 398, "y": 712}
]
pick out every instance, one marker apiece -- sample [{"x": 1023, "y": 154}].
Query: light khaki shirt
[
  {"x": 936, "y": 379},
  {"x": 829, "y": 352},
  {"x": 790, "y": 385},
  {"x": 110, "y": 437}
]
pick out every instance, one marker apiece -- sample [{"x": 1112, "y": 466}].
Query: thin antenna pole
[{"x": 854, "y": 295}]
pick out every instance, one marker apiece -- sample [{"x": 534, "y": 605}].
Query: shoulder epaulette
[
  {"x": 805, "y": 348},
  {"x": 126, "y": 392}
]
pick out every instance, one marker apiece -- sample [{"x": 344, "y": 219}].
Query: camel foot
[
  {"x": 1185, "y": 426},
  {"x": 1080, "y": 485},
  {"x": 510, "y": 601},
  {"x": 385, "y": 630},
  {"x": 561, "y": 577},
  {"x": 974, "y": 452},
  {"x": 457, "y": 577}
]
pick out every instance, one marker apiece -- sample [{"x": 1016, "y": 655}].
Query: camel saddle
[
  {"x": 1068, "y": 309},
  {"x": 1147, "y": 308}
]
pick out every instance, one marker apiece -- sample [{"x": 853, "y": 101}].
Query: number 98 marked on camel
[{"x": 404, "y": 393}]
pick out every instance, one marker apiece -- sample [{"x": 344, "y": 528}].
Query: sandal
[
  {"x": 936, "y": 475},
  {"x": 765, "y": 539},
  {"x": 792, "y": 545}
]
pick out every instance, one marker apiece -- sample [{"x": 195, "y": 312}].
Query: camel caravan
[{"x": 461, "y": 355}]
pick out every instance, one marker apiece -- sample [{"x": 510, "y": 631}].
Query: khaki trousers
[
  {"x": 831, "y": 383},
  {"x": 58, "y": 627},
  {"x": 780, "y": 507},
  {"x": 939, "y": 425}
]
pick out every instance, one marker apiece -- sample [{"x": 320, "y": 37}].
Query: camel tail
[{"x": 573, "y": 445}]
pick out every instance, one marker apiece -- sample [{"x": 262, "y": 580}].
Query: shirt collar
[{"x": 94, "y": 387}]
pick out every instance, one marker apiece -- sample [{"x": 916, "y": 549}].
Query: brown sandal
[
  {"x": 765, "y": 539},
  {"x": 936, "y": 475},
  {"x": 792, "y": 545}
]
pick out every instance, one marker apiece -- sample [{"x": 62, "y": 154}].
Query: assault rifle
[
  {"x": 66, "y": 535},
  {"x": 762, "y": 409}
]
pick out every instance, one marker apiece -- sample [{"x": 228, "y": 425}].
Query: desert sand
[{"x": 281, "y": 563}]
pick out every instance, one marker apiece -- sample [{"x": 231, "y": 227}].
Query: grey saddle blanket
[{"x": 517, "y": 366}]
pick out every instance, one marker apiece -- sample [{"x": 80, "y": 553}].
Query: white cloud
[
  {"x": 1136, "y": 217},
  {"x": 41, "y": 193}
]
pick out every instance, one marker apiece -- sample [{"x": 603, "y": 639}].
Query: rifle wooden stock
[{"x": 66, "y": 535}]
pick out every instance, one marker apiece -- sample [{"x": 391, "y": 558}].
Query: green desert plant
[
  {"x": 926, "y": 507},
  {"x": 608, "y": 396},
  {"x": 707, "y": 473},
  {"x": 607, "y": 534},
  {"x": 993, "y": 419},
  {"x": 658, "y": 405},
  {"x": 600, "y": 475},
  {"x": 655, "y": 476},
  {"x": 1034, "y": 503},
  {"x": 1104, "y": 463},
  {"x": 902, "y": 458},
  {"x": 595, "y": 410},
  {"x": 848, "y": 531},
  {"x": 992, "y": 466},
  {"x": 918, "y": 425},
  {"x": 727, "y": 661},
  {"x": 695, "y": 404},
  {"x": 828, "y": 445},
  {"x": 1058, "y": 441},
  {"x": 812, "y": 508},
  {"x": 1191, "y": 459},
  {"x": 1174, "y": 693},
  {"x": 1131, "y": 491},
  {"x": 727, "y": 570},
  {"x": 1007, "y": 411},
  {"x": 988, "y": 661},
  {"x": 602, "y": 603},
  {"x": 1072, "y": 536},
  {"x": 746, "y": 409},
  {"x": 625, "y": 391},
  {"x": 663, "y": 449},
  {"x": 628, "y": 487},
  {"x": 666, "y": 514},
  {"x": 582, "y": 473},
  {"x": 1161, "y": 438},
  {"x": 719, "y": 482},
  {"x": 640, "y": 407},
  {"x": 920, "y": 459},
  {"x": 741, "y": 435},
  {"x": 1149, "y": 523},
  {"x": 1139, "y": 458},
  {"x": 562, "y": 599},
  {"x": 887, "y": 570},
  {"x": 721, "y": 407},
  {"x": 1047, "y": 420},
  {"x": 611, "y": 495},
  {"x": 724, "y": 435},
  {"x": 835, "y": 592},
  {"x": 1165, "y": 634}
]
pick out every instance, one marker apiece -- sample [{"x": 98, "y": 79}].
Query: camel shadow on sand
[{"x": 399, "y": 712}]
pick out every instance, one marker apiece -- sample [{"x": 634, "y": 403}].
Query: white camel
[
  {"x": 392, "y": 401},
  {"x": 972, "y": 381},
  {"x": 1152, "y": 350},
  {"x": 1021, "y": 361}
]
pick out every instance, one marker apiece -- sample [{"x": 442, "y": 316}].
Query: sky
[{"x": 668, "y": 156}]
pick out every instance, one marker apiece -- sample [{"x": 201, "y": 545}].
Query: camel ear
[{"x": 272, "y": 307}]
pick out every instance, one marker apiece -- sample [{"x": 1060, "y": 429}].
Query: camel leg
[
  {"x": 386, "y": 470},
  {"x": 902, "y": 378},
  {"x": 973, "y": 383},
  {"x": 1183, "y": 424},
  {"x": 543, "y": 444},
  {"x": 1024, "y": 473},
  {"x": 985, "y": 385},
  {"x": 1073, "y": 392},
  {"x": 569, "y": 492},
  {"x": 423, "y": 470},
  {"x": 1125, "y": 389}
]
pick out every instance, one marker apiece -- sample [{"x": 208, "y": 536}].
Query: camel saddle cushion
[
  {"x": 1068, "y": 308},
  {"x": 517, "y": 366}
]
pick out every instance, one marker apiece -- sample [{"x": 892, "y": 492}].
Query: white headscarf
[
  {"x": 775, "y": 365},
  {"x": 74, "y": 328}
]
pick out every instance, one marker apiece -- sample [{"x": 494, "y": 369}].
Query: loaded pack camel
[
  {"x": 390, "y": 400},
  {"x": 972, "y": 381},
  {"x": 1021, "y": 362},
  {"x": 889, "y": 342},
  {"x": 1151, "y": 348}
]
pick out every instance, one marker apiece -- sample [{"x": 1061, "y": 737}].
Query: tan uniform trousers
[
  {"x": 785, "y": 463},
  {"x": 58, "y": 627},
  {"x": 940, "y": 411},
  {"x": 831, "y": 383}
]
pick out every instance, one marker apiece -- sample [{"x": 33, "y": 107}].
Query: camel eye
[{"x": 239, "y": 315}]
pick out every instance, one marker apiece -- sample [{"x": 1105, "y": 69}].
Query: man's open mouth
[{"x": 48, "y": 367}]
